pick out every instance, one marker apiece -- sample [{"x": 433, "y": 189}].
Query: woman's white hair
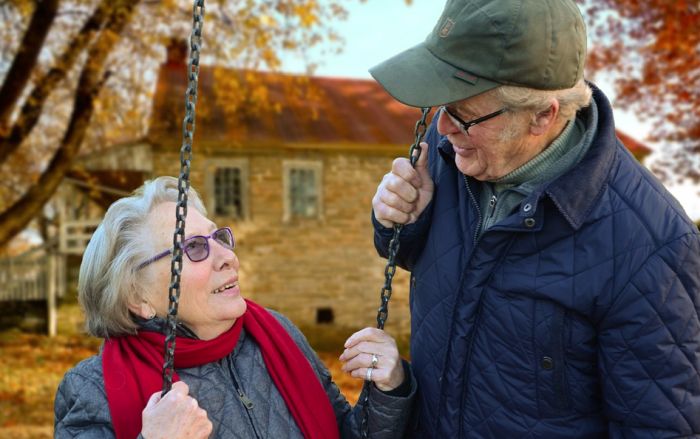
[{"x": 108, "y": 280}]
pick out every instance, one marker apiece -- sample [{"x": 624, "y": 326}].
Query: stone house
[{"x": 293, "y": 180}]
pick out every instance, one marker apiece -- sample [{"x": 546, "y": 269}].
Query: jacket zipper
[
  {"x": 477, "y": 320},
  {"x": 479, "y": 306},
  {"x": 492, "y": 205},
  {"x": 477, "y": 316},
  {"x": 478, "y": 210},
  {"x": 247, "y": 402}
]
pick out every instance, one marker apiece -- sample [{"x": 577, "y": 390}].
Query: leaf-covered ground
[{"x": 32, "y": 365}]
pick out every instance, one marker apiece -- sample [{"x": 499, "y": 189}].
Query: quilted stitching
[
  {"x": 626, "y": 276},
  {"x": 81, "y": 408}
]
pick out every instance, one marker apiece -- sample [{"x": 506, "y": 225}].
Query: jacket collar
[
  {"x": 160, "y": 325},
  {"x": 576, "y": 191}
]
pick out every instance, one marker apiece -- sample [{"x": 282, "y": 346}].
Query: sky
[{"x": 378, "y": 29}]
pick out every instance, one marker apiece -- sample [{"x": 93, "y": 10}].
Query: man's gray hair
[
  {"x": 108, "y": 279},
  {"x": 527, "y": 99}
]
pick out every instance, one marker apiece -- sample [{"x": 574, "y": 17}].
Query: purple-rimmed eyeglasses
[
  {"x": 464, "y": 126},
  {"x": 197, "y": 247}
]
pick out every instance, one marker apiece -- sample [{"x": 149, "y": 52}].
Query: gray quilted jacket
[{"x": 81, "y": 409}]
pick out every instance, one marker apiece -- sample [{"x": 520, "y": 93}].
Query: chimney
[{"x": 177, "y": 52}]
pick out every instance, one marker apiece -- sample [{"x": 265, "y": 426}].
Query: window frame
[
  {"x": 316, "y": 166},
  {"x": 211, "y": 167}
]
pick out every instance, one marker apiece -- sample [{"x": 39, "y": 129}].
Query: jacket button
[
  {"x": 547, "y": 363},
  {"x": 529, "y": 222}
]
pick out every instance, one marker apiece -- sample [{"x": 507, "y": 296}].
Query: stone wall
[{"x": 301, "y": 266}]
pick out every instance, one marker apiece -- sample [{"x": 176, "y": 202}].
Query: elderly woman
[{"x": 241, "y": 371}]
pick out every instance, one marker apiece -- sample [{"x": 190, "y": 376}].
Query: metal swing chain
[
  {"x": 183, "y": 186},
  {"x": 390, "y": 270},
  {"x": 181, "y": 213}
]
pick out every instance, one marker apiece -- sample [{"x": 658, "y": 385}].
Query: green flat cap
[{"x": 478, "y": 45}]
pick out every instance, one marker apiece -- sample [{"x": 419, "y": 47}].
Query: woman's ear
[
  {"x": 546, "y": 119},
  {"x": 143, "y": 309}
]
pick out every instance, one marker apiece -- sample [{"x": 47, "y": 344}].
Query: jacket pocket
[{"x": 550, "y": 335}]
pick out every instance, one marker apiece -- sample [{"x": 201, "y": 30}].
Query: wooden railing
[
  {"x": 24, "y": 277},
  {"x": 34, "y": 275},
  {"x": 74, "y": 235}
]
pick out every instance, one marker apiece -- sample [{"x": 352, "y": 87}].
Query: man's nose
[{"x": 445, "y": 124}]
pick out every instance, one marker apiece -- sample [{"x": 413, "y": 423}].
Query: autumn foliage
[
  {"x": 77, "y": 75},
  {"x": 32, "y": 366},
  {"x": 652, "y": 50}
]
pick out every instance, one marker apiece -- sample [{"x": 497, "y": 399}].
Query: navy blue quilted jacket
[{"x": 574, "y": 317}]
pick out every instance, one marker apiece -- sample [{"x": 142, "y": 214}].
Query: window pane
[
  {"x": 227, "y": 192},
  {"x": 303, "y": 192}
]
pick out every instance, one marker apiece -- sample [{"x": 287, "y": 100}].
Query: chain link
[
  {"x": 390, "y": 269},
  {"x": 183, "y": 186},
  {"x": 181, "y": 214}
]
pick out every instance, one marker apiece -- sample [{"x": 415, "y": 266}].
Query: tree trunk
[
  {"x": 14, "y": 219},
  {"x": 25, "y": 59},
  {"x": 33, "y": 106}
]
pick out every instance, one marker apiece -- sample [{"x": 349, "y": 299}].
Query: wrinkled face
[
  {"x": 494, "y": 147},
  {"x": 210, "y": 297}
]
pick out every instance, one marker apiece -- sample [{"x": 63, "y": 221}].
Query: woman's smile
[{"x": 230, "y": 288}]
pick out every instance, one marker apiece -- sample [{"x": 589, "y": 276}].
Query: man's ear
[
  {"x": 142, "y": 309},
  {"x": 546, "y": 119}
]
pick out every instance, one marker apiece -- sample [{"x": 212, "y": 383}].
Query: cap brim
[{"x": 418, "y": 78}]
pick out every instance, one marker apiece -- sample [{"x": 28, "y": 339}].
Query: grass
[{"x": 33, "y": 365}]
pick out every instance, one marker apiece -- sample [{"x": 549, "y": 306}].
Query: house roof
[
  {"x": 636, "y": 147},
  {"x": 339, "y": 111},
  {"x": 342, "y": 111}
]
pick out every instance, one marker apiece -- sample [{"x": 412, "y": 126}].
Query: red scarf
[{"x": 132, "y": 367}]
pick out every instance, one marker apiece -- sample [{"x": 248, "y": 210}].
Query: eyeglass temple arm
[
  {"x": 154, "y": 258},
  {"x": 488, "y": 116}
]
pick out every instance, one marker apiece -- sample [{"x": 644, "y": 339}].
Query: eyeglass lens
[
  {"x": 224, "y": 237},
  {"x": 197, "y": 247}
]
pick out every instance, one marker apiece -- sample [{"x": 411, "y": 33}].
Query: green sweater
[{"x": 500, "y": 197}]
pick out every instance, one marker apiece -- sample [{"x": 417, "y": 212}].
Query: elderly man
[{"x": 555, "y": 284}]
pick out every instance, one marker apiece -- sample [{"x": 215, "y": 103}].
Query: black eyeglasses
[
  {"x": 464, "y": 126},
  {"x": 197, "y": 247}
]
